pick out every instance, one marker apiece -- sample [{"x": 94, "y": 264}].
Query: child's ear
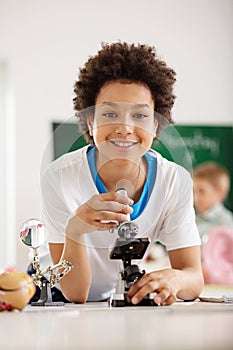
[
  {"x": 222, "y": 194},
  {"x": 90, "y": 123}
]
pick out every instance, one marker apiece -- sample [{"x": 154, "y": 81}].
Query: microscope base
[{"x": 120, "y": 300}]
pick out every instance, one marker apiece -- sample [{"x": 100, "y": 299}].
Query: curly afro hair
[{"x": 126, "y": 63}]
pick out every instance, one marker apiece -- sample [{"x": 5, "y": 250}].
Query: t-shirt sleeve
[
  {"x": 54, "y": 212},
  {"x": 179, "y": 228}
]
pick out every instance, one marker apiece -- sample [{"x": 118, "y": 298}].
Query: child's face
[
  {"x": 124, "y": 124},
  {"x": 205, "y": 195}
]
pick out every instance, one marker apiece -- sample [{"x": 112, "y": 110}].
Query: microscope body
[
  {"x": 128, "y": 247},
  {"x": 128, "y": 250}
]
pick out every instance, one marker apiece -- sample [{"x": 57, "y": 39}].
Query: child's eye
[
  {"x": 110, "y": 114},
  {"x": 140, "y": 116}
]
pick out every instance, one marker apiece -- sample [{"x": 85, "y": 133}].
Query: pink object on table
[
  {"x": 217, "y": 255},
  {"x": 7, "y": 269}
]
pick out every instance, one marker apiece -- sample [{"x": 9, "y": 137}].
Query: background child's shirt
[{"x": 216, "y": 216}]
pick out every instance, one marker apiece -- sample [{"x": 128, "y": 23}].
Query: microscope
[{"x": 127, "y": 248}]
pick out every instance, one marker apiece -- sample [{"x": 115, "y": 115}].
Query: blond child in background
[
  {"x": 211, "y": 186},
  {"x": 214, "y": 222}
]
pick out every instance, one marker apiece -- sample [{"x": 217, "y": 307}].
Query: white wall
[
  {"x": 44, "y": 43},
  {"x": 7, "y": 170}
]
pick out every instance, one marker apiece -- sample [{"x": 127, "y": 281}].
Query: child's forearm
[
  {"x": 76, "y": 284},
  {"x": 186, "y": 264},
  {"x": 190, "y": 283}
]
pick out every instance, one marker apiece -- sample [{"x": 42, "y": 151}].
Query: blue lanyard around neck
[{"x": 139, "y": 206}]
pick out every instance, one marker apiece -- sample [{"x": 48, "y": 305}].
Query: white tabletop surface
[{"x": 183, "y": 325}]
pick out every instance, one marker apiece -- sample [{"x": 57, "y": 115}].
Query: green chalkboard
[
  {"x": 187, "y": 145},
  {"x": 66, "y": 138}
]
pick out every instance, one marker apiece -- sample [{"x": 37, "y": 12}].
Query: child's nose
[{"x": 124, "y": 128}]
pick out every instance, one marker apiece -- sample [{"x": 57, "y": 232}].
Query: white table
[{"x": 184, "y": 325}]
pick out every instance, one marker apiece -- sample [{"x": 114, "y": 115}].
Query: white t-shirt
[{"x": 168, "y": 216}]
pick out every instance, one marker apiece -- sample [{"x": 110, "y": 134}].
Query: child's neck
[{"x": 118, "y": 173}]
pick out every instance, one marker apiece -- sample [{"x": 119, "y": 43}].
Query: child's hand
[
  {"x": 100, "y": 212},
  {"x": 163, "y": 282}
]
